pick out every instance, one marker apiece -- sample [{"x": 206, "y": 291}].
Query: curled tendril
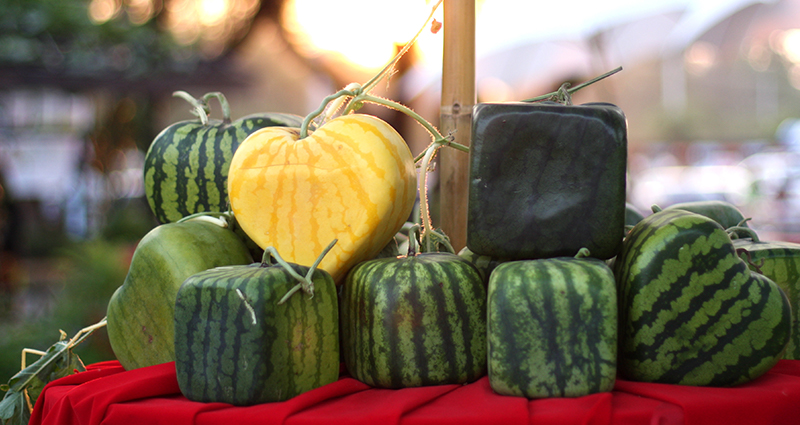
[{"x": 749, "y": 259}]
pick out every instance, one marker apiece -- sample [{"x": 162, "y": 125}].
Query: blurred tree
[
  {"x": 59, "y": 36},
  {"x": 57, "y": 43}
]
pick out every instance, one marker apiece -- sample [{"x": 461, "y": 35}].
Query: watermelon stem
[
  {"x": 305, "y": 282},
  {"x": 413, "y": 243},
  {"x": 564, "y": 93},
  {"x": 223, "y": 103},
  {"x": 733, "y": 232},
  {"x": 425, "y": 166},
  {"x": 200, "y": 108},
  {"x": 347, "y": 91},
  {"x": 438, "y": 139},
  {"x": 266, "y": 259},
  {"x": 423, "y": 188}
]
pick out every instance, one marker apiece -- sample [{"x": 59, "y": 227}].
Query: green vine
[
  {"x": 355, "y": 95},
  {"x": 359, "y": 93},
  {"x": 305, "y": 282},
  {"x": 413, "y": 242},
  {"x": 564, "y": 93}
]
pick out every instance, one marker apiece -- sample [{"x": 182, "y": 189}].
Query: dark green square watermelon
[{"x": 547, "y": 179}]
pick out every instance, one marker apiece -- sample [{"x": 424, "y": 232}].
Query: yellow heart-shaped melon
[{"x": 353, "y": 179}]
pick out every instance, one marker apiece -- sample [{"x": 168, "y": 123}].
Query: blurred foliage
[
  {"x": 92, "y": 270},
  {"x": 128, "y": 220},
  {"x": 58, "y": 35}
]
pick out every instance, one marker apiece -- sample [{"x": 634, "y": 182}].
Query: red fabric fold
[
  {"x": 107, "y": 394},
  {"x": 771, "y": 399}
]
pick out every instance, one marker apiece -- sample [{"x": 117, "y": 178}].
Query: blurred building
[{"x": 85, "y": 86}]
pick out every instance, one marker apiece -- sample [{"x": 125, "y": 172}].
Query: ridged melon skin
[
  {"x": 352, "y": 179},
  {"x": 779, "y": 261},
  {"x": 691, "y": 312},
  {"x": 235, "y": 344},
  {"x": 552, "y": 328},
  {"x": 140, "y": 312},
  {"x": 414, "y": 321},
  {"x": 186, "y": 165}
]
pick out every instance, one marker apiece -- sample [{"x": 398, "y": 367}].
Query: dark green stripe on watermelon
[
  {"x": 235, "y": 344},
  {"x": 779, "y": 261},
  {"x": 414, "y": 321},
  {"x": 552, "y": 328},
  {"x": 186, "y": 166},
  {"x": 691, "y": 312}
]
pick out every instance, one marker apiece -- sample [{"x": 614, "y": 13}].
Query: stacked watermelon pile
[
  {"x": 588, "y": 289},
  {"x": 284, "y": 252}
]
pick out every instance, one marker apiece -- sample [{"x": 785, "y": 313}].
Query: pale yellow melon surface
[{"x": 353, "y": 179}]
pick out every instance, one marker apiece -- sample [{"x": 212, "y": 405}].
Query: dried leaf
[
  {"x": 67, "y": 364},
  {"x": 14, "y": 409},
  {"x": 57, "y": 362},
  {"x": 41, "y": 368}
]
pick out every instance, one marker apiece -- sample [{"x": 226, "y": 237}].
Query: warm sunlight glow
[
  {"x": 212, "y": 23},
  {"x": 491, "y": 89},
  {"x": 101, "y": 11},
  {"x": 700, "y": 57},
  {"x": 212, "y": 11},
  {"x": 791, "y": 45},
  {"x": 324, "y": 26},
  {"x": 140, "y": 11}
]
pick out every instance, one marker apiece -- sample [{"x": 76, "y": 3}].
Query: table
[{"x": 107, "y": 394}]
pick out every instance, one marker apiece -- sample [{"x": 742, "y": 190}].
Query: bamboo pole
[{"x": 458, "y": 98}]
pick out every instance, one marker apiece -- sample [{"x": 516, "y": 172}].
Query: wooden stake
[{"x": 458, "y": 98}]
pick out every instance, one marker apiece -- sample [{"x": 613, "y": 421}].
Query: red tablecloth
[{"x": 107, "y": 394}]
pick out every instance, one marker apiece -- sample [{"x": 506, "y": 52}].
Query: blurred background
[{"x": 711, "y": 90}]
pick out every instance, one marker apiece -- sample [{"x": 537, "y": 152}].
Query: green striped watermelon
[
  {"x": 779, "y": 261},
  {"x": 140, "y": 312},
  {"x": 691, "y": 312},
  {"x": 413, "y": 321},
  {"x": 552, "y": 327},
  {"x": 723, "y": 212},
  {"x": 186, "y": 165},
  {"x": 235, "y": 343}
]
